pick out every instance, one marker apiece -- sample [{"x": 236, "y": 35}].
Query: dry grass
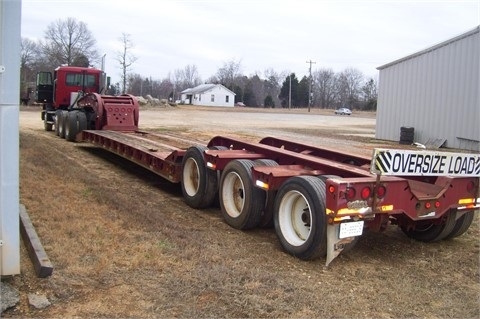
[{"x": 124, "y": 244}]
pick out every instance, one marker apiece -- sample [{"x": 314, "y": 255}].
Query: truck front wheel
[
  {"x": 199, "y": 183},
  {"x": 241, "y": 202},
  {"x": 46, "y": 125},
  {"x": 299, "y": 217}
]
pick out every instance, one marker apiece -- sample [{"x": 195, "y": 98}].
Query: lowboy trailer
[{"x": 319, "y": 200}]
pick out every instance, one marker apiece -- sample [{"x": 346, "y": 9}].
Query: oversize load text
[{"x": 439, "y": 164}]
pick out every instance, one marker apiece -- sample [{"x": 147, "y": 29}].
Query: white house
[{"x": 208, "y": 95}]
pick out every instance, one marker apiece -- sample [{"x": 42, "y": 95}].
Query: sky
[{"x": 282, "y": 35}]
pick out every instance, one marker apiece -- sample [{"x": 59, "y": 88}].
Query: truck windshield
[
  {"x": 76, "y": 79},
  {"x": 44, "y": 78}
]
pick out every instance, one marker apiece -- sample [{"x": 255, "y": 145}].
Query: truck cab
[
  {"x": 66, "y": 80},
  {"x": 60, "y": 91}
]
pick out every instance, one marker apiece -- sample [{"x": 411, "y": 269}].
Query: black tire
[
  {"x": 240, "y": 201},
  {"x": 299, "y": 217},
  {"x": 267, "y": 214},
  {"x": 407, "y": 135},
  {"x": 461, "y": 225},
  {"x": 199, "y": 183},
  {"x": 58, "y": 115},
  {"x": 47, "y": 126},
  {"x": 429, "y": 232},
  {"x": 62, "y": 123},
  {"x": 75, "y": 122}
]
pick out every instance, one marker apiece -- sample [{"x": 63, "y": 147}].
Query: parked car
[{"x": 343, "y": 111}]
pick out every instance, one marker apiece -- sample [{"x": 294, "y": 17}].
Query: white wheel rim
[
  {"x": 233, "y": 194},
  {"x": 295, "y": 217},
  {"x": 191, "y": 177}
]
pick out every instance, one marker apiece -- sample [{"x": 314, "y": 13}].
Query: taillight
[
  {"x": 366, "y": 192},
  {"x": 437, "y": 204},
  {"x": 381, "y": 191},
  {"x": 331, "y": 189},
  {"x": 350, "y": 193},
  {"x": 428, "y": 205}
]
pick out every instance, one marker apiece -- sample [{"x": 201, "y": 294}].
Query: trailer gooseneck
[{"x": 319, "y": 200}]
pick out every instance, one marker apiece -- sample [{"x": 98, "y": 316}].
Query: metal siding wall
[{"x": 436, "y": 92}]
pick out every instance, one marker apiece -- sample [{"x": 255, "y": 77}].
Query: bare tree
[
  {"x": 67, "y": 41},
  {"x": 191, "y": 76},
  {"x": 272, "y": 85},
  {"x": 135, "y": 84},
  {"x": 187, "y": 77},
  {"x": 125, "y": 58},
  {"x": 165, "y": 89},
  {"x": 324, "y": 88},
  {"x": 29, "y": 54},
  {"x": 349, "y": 86},
  {"x": 228, "y": 73},
  {"x": 370, "y": 94}
]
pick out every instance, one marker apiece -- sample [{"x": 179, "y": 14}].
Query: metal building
[{"x": 436, "y": 91}]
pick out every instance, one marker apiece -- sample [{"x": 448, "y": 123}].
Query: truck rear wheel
[
  {"x": 62, "y": 118},
  {"x": 58, "y": 114},
  {"x": 299, "y": 217},
  {"x": 429, "y": 232},
  {"x": 241, "y": 202},
  {"x": 199, "y": 183},
  {"x": 461, "y": 225},
  {"x": 75, "y": 122}
]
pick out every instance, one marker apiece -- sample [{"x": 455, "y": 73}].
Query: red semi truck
[
  {"x": 60, "y": 92},
  {"x": 320, "y": 201}
]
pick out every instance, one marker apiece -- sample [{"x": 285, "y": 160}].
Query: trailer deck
[{"x": 160, "y": 153}]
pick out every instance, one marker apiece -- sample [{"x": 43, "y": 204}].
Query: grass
[{"x": 124, "y": 244}]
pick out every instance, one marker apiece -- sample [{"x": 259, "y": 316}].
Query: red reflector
[
  {"x": 350, "y": 193},
  {"x": 428, "y": 205},
  {"x": 331, "y": 189},
  {"x": 437, "y": 204},
  {"x": 381, "y": 191},
  {"x": 366, "y": 192},
  {"x": 470, "y": 187}
]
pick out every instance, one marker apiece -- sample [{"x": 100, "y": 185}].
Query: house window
[
  {"x": 199, "y": 97},
  {"x": 212, "y": 98},
  {"x": 226, "y": 98}
]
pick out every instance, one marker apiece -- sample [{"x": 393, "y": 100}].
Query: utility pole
[
  {"x": 310, "y": 84},
  {"x": 290, "y": 92}
]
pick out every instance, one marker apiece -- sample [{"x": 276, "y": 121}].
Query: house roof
[
  {"x": 439, "y": 45},
  {"x": 202, "y": 88}
]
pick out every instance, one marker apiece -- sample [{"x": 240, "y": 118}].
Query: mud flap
[{"x": 335, "y": 245}]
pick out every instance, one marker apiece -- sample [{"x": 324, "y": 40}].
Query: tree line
[{"x": 70, "y": 42}]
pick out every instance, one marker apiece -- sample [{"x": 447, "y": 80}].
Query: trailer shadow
[{"x": 134, "y": 170}]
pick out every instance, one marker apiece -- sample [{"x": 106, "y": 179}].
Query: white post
[{"x": 10, "y": 39}]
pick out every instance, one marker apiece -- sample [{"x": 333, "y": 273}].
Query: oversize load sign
[{"x": 424, "y": 163}]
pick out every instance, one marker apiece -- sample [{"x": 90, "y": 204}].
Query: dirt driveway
[{"x": 124, "y": 244}]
